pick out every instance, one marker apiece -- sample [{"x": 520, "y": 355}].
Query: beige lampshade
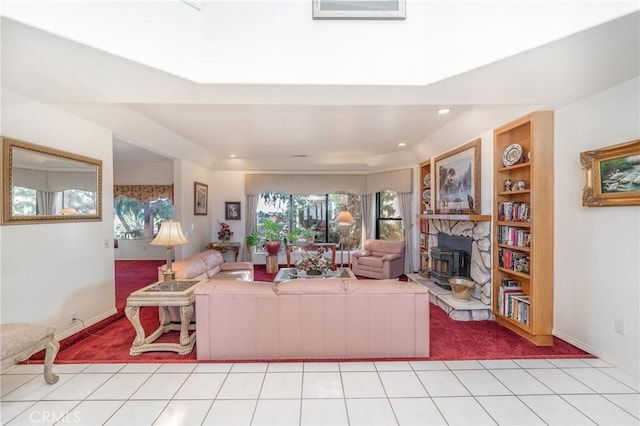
[
  {"x": 170, "y": 235},
  {"x": 344, "y": 217}
]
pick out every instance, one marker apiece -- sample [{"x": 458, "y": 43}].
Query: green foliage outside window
[{"x": 135, "y": 219}]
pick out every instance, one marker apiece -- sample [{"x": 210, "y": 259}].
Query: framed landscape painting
[
  {"x": 458, "y": 180},
  {"x": 612, "y": 175}
]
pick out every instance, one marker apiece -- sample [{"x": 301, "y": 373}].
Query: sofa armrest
[
  {"x": 390, "y": 257},
  {"x": 232, "y": 266},
  {"x": 361, "y": 253}
]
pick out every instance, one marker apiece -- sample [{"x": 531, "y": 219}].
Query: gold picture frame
[
  {"x": 47, "y": 174},
  {"x": 612, "y": 175},
  {"x": 457, "y": 175}
]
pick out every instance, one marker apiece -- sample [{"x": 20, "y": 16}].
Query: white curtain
[
  {"x": 405, "y": 212},
  {"x": 46, "y": 202},
  {"x": 367, "y": 216},
  {"x": 249, "y": 223}
]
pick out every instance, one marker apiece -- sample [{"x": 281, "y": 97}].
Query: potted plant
[
  {"x": 273, "y": 236},
  {"x": 293, "y": 236},
  {"x": 309, "y": 235},
  {"x": 251, "y": 240}
]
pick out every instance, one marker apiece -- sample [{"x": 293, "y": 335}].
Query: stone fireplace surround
[{"x": 480, "y": 232}]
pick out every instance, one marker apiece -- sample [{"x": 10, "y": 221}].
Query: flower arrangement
[
  {"x": 224, "y": 233},
  {"x": 313, "y": 262}
]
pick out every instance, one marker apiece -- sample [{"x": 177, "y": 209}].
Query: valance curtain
[
  {"x": 144, "y": 192},
  {"x": 48, "y": 181},
  {"x": 297, "y": 184}
]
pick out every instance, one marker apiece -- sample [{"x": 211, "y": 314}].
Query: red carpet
[{"x": 450, "y": 340}]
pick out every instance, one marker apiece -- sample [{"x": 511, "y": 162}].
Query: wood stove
[{"x": 446, "y": 263}]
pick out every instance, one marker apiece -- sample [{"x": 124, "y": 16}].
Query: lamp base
[{"x": 169, "y": 276}]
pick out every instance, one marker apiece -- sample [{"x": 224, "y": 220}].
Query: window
[
  {"x": 310, "y": 212},
  {"x": 389, "y": 225},
  {"x": 24, "y": 201},
  {"x": 134, "y": 219},
  {"x": 28, "y": 202},
  {"x": 82, "y": 202}
]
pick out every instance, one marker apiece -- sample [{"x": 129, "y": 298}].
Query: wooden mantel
[{"x": 469, "y": 217}]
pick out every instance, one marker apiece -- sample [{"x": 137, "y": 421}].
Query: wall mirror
[{"x": 41, "y": 184}]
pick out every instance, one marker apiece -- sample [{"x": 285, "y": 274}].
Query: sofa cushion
[
  {"x": 311, "y": 286},
  {"x": 371, "y": 261},
  {"x": 234, "y": 275},
  {"x": 190, "y": 268},
  {"x": 234, "y": 287},
  {"x": 382, "y": 247},
  {"x": 211, "y": 258},
  {"x": 384, "y": 287}
]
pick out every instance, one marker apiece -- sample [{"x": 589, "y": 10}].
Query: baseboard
[
  {"x": 79, "y": 326},
  {"x": 604, "y": 356}
]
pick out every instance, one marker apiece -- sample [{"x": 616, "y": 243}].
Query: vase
[
  {"x": 225, "y": 239},
  {"x": 273, "y": 247},
  {"x": 314, "y": 272}
]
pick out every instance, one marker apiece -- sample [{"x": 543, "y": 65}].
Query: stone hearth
[{"x": 473, "y": 310}]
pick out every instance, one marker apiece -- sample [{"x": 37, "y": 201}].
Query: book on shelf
[
  {"x": 514, "y": 211},
  {"x": 514, "y": 260},
  {"x": 514, "y": 236}
]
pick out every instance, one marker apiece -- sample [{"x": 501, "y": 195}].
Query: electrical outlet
[
  {"x": 620, "y": 326},
  {"x": 72, "y": 316}
]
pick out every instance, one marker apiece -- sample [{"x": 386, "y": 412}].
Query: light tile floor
[{"x": 507, "y": 392}]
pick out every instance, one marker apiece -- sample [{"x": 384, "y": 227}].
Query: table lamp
[
  {"x": 345, "y": 221},
  {"x": 170, "y": 235}
]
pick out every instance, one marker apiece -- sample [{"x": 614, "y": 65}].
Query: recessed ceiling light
[
  {"x": 232, "y": 156},
  {"x": 402, "y": 144},
  {"x": 443, "y": 111}
]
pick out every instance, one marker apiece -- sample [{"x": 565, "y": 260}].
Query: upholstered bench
[{"x": 21, "y": 340}]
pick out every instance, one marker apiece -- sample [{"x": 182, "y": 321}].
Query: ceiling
[{"x": 157, "y": 116}]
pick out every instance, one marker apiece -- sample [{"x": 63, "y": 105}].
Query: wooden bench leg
[{"x": 51, "y": 350}]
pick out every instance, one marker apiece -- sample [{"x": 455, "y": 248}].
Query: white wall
[
  {"x": 597, "y": 249},
  {"x": 227, "y": 186},
  {"x": 143, "y": 173},
  {"x": 51, "y": 270},
  {"x": 197, "y": 229}
]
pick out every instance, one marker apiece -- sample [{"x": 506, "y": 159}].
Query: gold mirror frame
[
  {"x": 8, "y": 153},
  {"x": 599, "y": 191}
]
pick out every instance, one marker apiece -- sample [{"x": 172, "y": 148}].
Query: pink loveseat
[
  {"x": 208, "y": 264},
  {"x": 379, "y": 259},
  {"x": 312, "y": 319}
]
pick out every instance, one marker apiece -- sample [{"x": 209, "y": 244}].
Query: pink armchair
[{"x": 380, "y": 259}]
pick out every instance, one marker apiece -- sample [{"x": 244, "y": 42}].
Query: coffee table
[
  {"x": 164, "y": 295},
  {"x": 285, "y": 274}
]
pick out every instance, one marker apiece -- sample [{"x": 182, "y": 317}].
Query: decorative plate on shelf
[
  {"x": 427, "y": 180},
  {"x": 512, "y": 155},
  {"x": 426, "y": 194}
]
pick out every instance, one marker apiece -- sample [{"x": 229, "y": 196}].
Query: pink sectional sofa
[{"x": 312, "y": 319}]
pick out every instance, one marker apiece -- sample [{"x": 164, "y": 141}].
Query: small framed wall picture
[
  {"x": 200, "y": 198},
  {"x": 232, "y": 210}
]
